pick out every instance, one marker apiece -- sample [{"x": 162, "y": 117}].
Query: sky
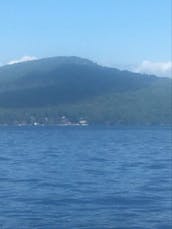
[{"x": 128, "y": 34}]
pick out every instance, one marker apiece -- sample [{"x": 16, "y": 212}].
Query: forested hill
[{"x": 68, "y": 89}]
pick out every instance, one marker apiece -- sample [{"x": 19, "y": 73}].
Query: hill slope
[{"x": 46, "y": 90}]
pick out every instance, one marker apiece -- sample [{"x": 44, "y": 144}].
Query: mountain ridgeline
[{"x": 66, "y": 90}]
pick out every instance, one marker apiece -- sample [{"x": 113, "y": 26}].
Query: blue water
[{"x": 85, "y": 177}]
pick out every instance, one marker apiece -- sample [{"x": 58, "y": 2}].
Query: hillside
[{"x": 67, "y": 89}]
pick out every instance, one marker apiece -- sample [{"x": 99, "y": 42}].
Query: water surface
[{"x": 85, "y": 177}]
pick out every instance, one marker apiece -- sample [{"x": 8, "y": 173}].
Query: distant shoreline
[{"x": 91, "y": 125}]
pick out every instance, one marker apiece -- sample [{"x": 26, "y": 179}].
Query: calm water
[{"x": 85, "y": 177}]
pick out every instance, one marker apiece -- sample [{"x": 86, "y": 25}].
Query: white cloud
[
  {"x": 163, "y": 69},
  {"x": 23, "y": 59}
]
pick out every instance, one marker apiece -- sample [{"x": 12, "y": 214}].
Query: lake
[{"x": 85, "y": 177}]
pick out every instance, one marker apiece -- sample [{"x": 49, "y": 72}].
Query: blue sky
[{"x": 120, "y": 33}]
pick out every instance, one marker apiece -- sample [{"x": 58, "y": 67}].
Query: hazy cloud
[
  {"x": 23, "y": 59},
  {"x": 163, "y": 69}
]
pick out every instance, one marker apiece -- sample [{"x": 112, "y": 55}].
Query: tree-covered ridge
[{"x": 68, "y": 89}]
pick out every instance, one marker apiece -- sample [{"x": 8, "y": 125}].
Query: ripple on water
[{"x": 55, "y": 177}]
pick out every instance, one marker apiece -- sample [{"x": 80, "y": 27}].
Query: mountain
[{"x": 47, "y": 90}]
